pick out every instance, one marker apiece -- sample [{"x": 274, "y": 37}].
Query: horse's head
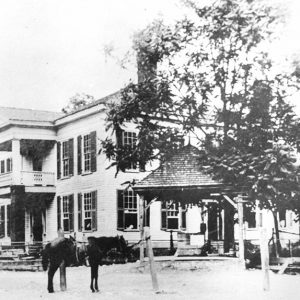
[
  {"x": 122, "y": 246},
  {"x": 71, "y": 251},
  {"x": 81, "y": 253}
]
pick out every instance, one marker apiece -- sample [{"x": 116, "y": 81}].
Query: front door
[{"x": 37, "y": 226}]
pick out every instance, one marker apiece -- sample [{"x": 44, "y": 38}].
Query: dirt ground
[{"x": 203, "y": 281}]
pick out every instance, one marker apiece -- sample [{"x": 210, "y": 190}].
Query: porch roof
[{"x": 182, "y": 170}]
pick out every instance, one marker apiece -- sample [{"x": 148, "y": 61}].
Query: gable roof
[
  {"x": 22, "y": 114},
  {"x": 181, "y": 170}
]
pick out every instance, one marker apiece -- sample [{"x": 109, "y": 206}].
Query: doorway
[{"x": 36, "y": 226}]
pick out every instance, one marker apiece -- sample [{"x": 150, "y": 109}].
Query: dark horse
[
  {"x": 59, "y": 250},
  {"x": 98, "y": 249}
]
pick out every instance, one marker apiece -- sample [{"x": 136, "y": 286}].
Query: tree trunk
[{"x": 277, "y": 240}]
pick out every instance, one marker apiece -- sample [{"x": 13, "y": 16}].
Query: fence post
[
  {"x": 151, "y": 259},
  {"x": 62, "y": 268},
  {"x": 241, "y": 231},
  {"x": 141, "y": 227},
  {"x": 264, "y": 254}
]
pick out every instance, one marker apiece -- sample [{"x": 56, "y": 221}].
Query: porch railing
[{"x": 35, "y": 178}]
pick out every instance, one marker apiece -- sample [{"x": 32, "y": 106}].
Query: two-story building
[{"x": 53, "y": 176}]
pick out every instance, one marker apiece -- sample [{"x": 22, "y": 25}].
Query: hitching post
[
  {"x": 151, "y": 259},
  {"x": 264, "y": 254},
  {"x": 141, "y": 227},
  {"x": 62, "y": 268},
  {"x": 241, "y": 230}
]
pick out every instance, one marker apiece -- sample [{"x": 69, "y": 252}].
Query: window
[
  {"x": 87, "y": 211},
  {"x": 129, "y": 139},
  {"x": 4, "y": 220},
  {"x": 127, "y": 210},
  {"x": 8, "y": 165},
  {"x": 65, "y": 159},
  {"x": 173, "y": 216},
  {"x": 2, "y": 166},
  {"x": 65, "y": 213},
  {"x": 87, "y": 155}
]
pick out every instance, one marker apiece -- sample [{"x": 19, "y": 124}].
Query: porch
[{"x": 204, "y": 206}]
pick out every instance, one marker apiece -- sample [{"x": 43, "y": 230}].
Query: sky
[{"x": 52, "y": 49}]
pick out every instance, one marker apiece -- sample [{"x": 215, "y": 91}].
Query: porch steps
[
  {"x": 35, "y": 249},
  {"x": 33, "y": 265}
]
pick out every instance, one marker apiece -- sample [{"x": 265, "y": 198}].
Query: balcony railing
[{"x": 37, "y": 178}]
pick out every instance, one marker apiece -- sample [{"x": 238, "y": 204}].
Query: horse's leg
[
  {"x": 96, "y": 277},
  {"x": 92, "y": 277},
  {"x": 51, "y": 272}
]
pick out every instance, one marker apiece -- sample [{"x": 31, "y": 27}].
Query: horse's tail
[{"x": 45, "y": 257}]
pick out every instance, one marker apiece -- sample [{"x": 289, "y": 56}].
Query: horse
[
  {"x": 59, "y": 250},
  {"x": 99, "y": 248}
]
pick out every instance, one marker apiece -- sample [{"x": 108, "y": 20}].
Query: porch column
[{"x": 16, "y": 162}]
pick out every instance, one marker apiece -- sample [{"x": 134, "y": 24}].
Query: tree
[
  {"x": 78, "y": 101},
  {"x": 208, "y": 75}
]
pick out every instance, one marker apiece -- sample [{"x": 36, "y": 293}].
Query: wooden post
[
  {"x": 141, "y": 227},
  {"x": 241, "y": 231},
  {"x": 264, "y": 254},
  {"x": 151, "y": 259},
  {"x": 62, "y": 268}
]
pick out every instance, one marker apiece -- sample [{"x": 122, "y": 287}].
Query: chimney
[{"x": 146, "y": 64}]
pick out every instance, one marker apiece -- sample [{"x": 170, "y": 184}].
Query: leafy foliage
[
  {"x": 77, "y": 102},
  {"x": 209, "y": 76}
]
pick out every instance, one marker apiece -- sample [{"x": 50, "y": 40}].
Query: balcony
[{"x": 35, "y": 178}]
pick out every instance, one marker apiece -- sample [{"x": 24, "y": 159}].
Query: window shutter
[
  {"x": 120, "y": 202},
  {"x": 8, "y": 220},
  {"x": 163, "y": 216},
  {"x": 183, "y": 218},
  {"x": 94, "y": 210},
  {"x": 79, "y": 154},
  {"x": 93, "y": 151},
  {"x": 79, "y": 205},
  {"x": 58, "y": 160},
  {"x": 71, "y": 157},
  {"x": 2, "y": 216},
  {"x": 58, "y": 213},
  {"x": 71, "y": 212},
  {"x": 119, "y": 137}
]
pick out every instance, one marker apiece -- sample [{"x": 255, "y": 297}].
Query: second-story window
[
  {"x": 8, "y": 165},
  {"x": 129, "y": 139},
  {"x": 65, "y": 160},
  {"x": 2, "y": 166},
  {"x": 87, "y": 155}
]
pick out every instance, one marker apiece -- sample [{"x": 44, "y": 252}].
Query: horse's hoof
[
  {"x": 51, "y": 291},
  {"x": 93, "y": 291}
]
